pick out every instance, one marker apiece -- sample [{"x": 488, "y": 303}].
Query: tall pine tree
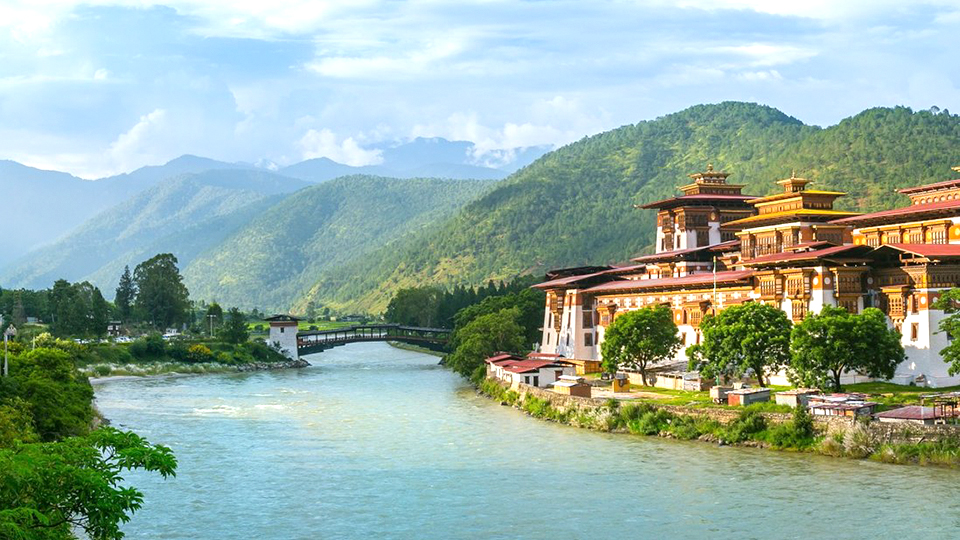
[{"x": 126, "y": 292}]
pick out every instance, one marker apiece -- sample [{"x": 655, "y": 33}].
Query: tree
[
  {"x": 640, "y": 338},
  {"x": 833, "y": 341},
  {"x": 50, "y": 490},
  {"x": 213, "y": 318},
  {"x": 311, "y": 311},
  {"x": 162, "y": 297},
  {"x": 235, "y": 328},
  {"x": 484, "y": 336},
  {"x": 949, "y": 302},
  {"x": 749, "y": 337},
  {"x": 415, "y": 306},
  {"x": 126, "y": 292}
]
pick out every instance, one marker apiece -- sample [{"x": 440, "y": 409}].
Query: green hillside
[
  {"x": 275, "y": 258},
  {"x": 574, "y": 205},
  {"x": 184, "y": 215}
]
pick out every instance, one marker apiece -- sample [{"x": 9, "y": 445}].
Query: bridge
[{"x": 316, "y": 341}]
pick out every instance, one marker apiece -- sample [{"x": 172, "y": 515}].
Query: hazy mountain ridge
[
  {"x": 274, "y": 259},
  {"x": 209, "y": 204}
]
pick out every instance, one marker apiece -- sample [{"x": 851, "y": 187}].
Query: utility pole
[{"x": 211, "y": 317}]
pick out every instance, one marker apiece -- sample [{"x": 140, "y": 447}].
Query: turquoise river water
[{"x": 378, "y": 442}]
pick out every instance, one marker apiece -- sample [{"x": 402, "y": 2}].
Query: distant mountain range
[
  {"x": 253, "y": 238},
  {"x": 49, "y": 204}
]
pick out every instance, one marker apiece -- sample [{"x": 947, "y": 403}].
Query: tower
[{"x": 283, "y": 334}]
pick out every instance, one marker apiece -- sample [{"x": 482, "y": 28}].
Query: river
[{"x": 378, "y": 442}]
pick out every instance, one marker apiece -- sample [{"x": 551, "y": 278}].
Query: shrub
[
  {"x": 199, "y": 353},
  {"x": 149, "y": 346},
  {"x": 746, "y": 426},
  {"x": 102, "y": 371},
  {"x": 798, "y": 433},
  {"x": 858, "y": 442}
]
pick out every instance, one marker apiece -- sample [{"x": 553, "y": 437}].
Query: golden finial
[
  {"x": 793, "y": 174},
  {"x": 709, "y": 167},
  {"x": 957, "y": 168}
]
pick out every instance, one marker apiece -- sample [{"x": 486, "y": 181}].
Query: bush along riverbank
[
  {"x": 152, "y": 355},
  {"x": 798, "y": 431}
]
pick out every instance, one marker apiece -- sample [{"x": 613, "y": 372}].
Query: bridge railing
[{"x": 371, "y": 332}]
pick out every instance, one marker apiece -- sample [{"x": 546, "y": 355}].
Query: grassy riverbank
[{"x": 751, "y": 426}]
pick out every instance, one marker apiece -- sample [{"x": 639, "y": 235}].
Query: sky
[{"x": 106, "y": 86}]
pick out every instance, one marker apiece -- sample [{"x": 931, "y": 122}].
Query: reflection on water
[{"x": 377, "y": 442}]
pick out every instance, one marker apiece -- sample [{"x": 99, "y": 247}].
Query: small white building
[
  {"x": 516, "y": 370},
  {"x": 283, "y": 334}
]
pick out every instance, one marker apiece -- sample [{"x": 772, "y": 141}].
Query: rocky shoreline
[{"x": 267, "y": 366}]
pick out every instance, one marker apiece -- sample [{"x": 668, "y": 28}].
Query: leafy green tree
[
  {"x": 530, "y": 302},
  {"x": 59, "y": 397},
  {"x": 828, "y": 343},
  {"x": 213, "y": 317},
  {"x": 161, "y": 295},
  {"x": 51, "y": 490},
  {"x": 235, "y": 328},
  {"x": 949, "y": 302},
  {"x": 415, "y": 306},
  {"x": 483, "y": 336},
  {"x": 79, "y": 309},
  {"x": 749, "y": 337},
  {"x": 639, "y": 339}
]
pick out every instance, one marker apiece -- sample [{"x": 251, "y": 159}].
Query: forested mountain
[
  {"x": 46, "y": 205},
  {"x": 184, "y": 215},
  {"x": 276, "y": 257},
  {"x": 574, "y": 205}
]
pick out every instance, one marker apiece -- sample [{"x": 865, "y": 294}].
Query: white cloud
[
  {"x": 101, "y": 74},
  {"x": 133, "y": 148},
  {"x": 325, "y": 143}
]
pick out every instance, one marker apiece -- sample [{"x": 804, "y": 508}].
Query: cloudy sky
[{"x": 106, "y": 86}]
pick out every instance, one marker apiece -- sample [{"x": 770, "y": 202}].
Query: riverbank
[
  {"x": 414, "y": 348},
  {"x": 797, "y": 432},
  {"x": 105, "y": 372}
]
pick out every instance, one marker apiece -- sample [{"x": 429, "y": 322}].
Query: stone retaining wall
[{"x": 882, "y": 432}]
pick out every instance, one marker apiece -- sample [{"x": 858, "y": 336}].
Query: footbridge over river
[
  {"x": 319, "y": 340},
  {"x": 284, "y": 334}
]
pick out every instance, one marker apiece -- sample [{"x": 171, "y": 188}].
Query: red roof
[
  {"x": 803, "y": 255},
  {"x": 701, "y": 278},
  {"x": 902, "y": 212},
  {"x": 929, "y": 187},
  {"x": 500, "y": 358},
  {"x": 679, "y": 252},
  {"x": 910, "y": 412},
  {"x": 525, "y": 366},
  {"x": 927, "y": 250},
  {"x": 697, "y": 198},
  {"x": 569, "y": 280}
]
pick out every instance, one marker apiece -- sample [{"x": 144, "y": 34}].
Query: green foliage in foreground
[
  {"x": 69, "y": 484},
  {"x": 949, "y": 302},
  {"x": 48, "y": 490},
  {"x": 639, "y": 339},
  {"x": 828, "y": 343},
  {"x": 751, "y": 337},
  {"x": 484, "y": 336}
]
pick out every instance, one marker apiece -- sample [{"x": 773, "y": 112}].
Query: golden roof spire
[{"x": 957, "y": 168}]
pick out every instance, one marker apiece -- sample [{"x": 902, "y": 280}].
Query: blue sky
[{"x": 100, "y": 87}]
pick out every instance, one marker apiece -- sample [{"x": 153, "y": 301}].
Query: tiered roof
[
  {"x": 709, "y": 188},
  {"x": 795, "y": 203}
]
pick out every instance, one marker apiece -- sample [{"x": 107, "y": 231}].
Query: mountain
[
  {"x": 420, "y": 158},
  {"x": 276, "y": 257},
  {"x": 48, "y": 204},
  {"x": 573, "y": 206},
  {"x": 185, "y": 215}
]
